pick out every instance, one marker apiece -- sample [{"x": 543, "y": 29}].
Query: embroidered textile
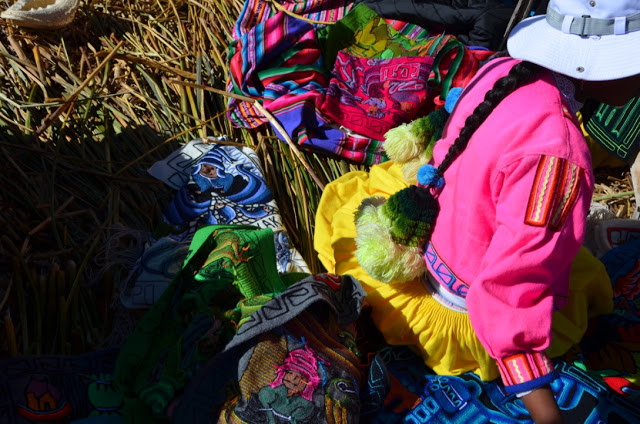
[
  {"x": 554, "y": 192},
  {"x": 520, "y": 369},
  {"x": 216, "y": 184},
  {"x": 195, "y": 317},
  {"x": 617, "y": 129},
  {"x": 295, "y": 360},
  {"x": 363, "y": 33},
  {"x": 280, "y": 63},
  {"x": 371, "y": 96}
]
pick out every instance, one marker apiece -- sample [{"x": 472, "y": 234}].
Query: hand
[{"x": 542, "y": 406}]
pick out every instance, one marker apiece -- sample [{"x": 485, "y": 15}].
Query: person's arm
[
  {"x": 542, "y": 406},
  {"x": 541, "y": 207}
]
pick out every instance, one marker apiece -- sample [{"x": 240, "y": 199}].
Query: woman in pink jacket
[{"x": 510, "y": 184}]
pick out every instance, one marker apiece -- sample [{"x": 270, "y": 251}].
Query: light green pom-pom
[
  {"x": 376, "y": 251},
  {"x": 410, "y": 168},
  {"x": 402, "y": 143}
]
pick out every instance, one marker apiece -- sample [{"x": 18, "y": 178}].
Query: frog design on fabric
[
  {"x": 289, "y": 396},
  {"x": 103, "y": 396}
]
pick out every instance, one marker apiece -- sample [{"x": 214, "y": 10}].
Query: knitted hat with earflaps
[{"x": 391, "y": 233}]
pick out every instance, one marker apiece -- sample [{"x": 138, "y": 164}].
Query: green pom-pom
[
  {"x": 426, "y": 126},
  {"x": 378, "y": 252},
  {"x": 369, "y": 204},
  {"x": 438, "y": 119},
  {"x": 413, "y": 212},
  {"x": 408, "y": 142}
]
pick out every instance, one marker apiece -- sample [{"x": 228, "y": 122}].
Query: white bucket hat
[{"x": 592, "y": 40}]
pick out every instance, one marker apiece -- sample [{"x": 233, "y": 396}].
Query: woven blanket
[
  {"x": 216, "y": 184},
  {"x": 279, "y": 62}
]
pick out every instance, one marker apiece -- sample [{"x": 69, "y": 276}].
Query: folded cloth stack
[{"x": 216, "y": 184}]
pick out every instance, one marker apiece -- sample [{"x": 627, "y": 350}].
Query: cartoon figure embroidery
[
  {"x": 223, "y": 187},
  {"x": 289, "y": 396}
]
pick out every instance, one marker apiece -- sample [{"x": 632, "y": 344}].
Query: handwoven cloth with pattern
[
  {"x": 617, "y": 129},
  {"x": 195, "y": 317},
  {"x": 371, "y": 96},
  {"x": 295, "y": 360}
]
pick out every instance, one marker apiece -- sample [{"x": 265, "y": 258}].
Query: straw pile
[
  {"x": 615, "y": 190},
  {"x": 84, "y": 111}
]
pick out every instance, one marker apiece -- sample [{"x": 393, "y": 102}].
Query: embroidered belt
[
  {"x": 444, "y": 296},
  {"x": 443, "y": 275}
]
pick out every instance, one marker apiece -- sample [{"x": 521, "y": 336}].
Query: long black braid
[
  {"x": 412, "y": 212},
  {"x": 519, "y": 75}
]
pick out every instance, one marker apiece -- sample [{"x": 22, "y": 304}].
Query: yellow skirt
[{"x": 406, "y": 314}]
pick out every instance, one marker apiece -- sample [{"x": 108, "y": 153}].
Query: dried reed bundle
[{"x": 84, "y": 111}]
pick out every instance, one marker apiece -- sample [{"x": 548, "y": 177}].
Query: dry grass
[
  {"x": 615, "y": 190},
  {"x": 84, "y": 111}
]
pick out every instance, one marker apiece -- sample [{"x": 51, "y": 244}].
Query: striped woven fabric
[
  {"x": 412, "y": 31},
  {"x": 279, "y": 62},
  {"x": 257, "y": 11},
  {"x": 262, "y": 63}
]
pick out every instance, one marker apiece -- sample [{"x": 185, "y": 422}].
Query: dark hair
[
  {"x": 518, "y": 76},
  {"x": 415, "y": 208},
  {"x": 413, "y": 211}
]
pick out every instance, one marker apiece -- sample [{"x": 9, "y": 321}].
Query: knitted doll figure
[{"x": 483, "y": 254}]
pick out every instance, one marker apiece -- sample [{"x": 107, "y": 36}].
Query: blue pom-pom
[
  {"x": 452, "y": 98},
  {"x": 428, "y": 176}
]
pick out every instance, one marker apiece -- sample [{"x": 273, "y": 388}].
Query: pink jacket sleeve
[{"x": 542, "y": 202}]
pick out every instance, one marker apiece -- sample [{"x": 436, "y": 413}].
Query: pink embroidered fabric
[{"x": 371, "y": 96}]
